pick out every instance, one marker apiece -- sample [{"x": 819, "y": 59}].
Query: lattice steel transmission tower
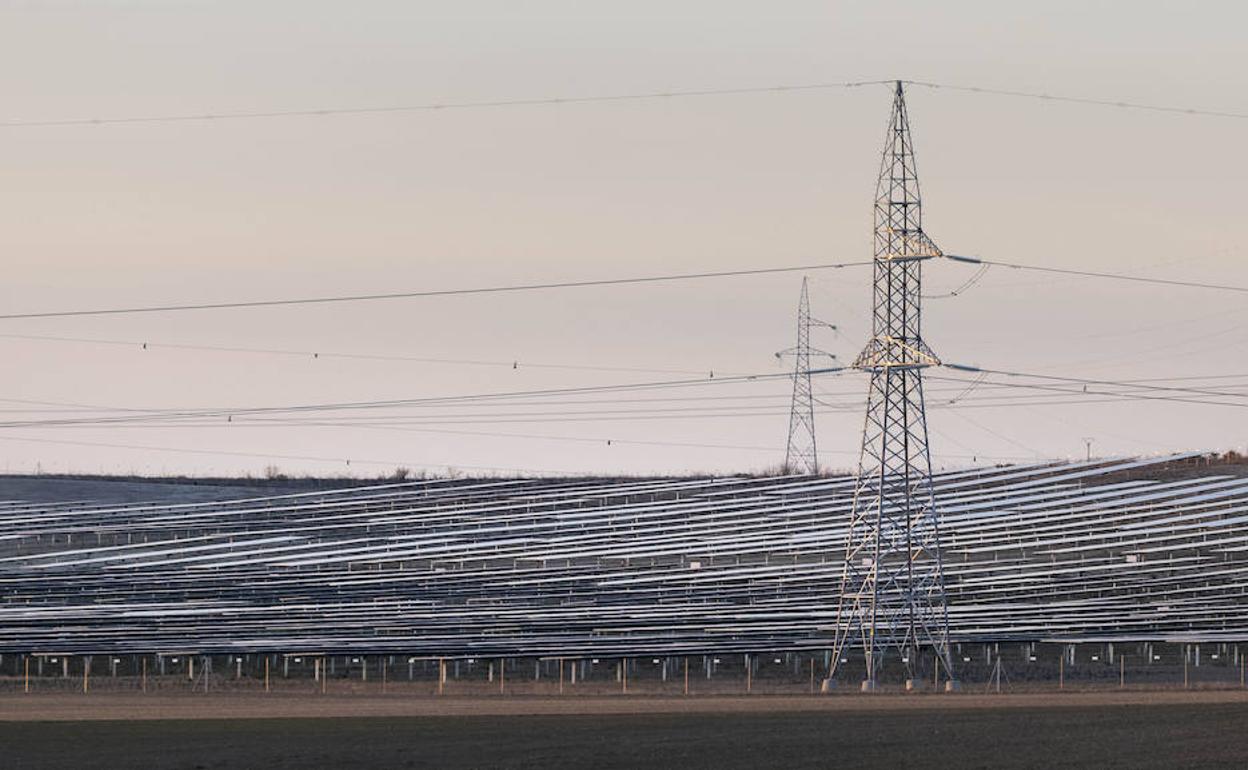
[
  {"x": 802, "y": 455},
  {"x": 892, "y": 592}
]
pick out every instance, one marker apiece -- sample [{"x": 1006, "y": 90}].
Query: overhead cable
[
  {"x": 548, "y": 101},
  {"x": 580, "y": 284},
  {"x": 347, "y": 461},
  {"x": 1095, "y": 274},
  {"x": 143, "y": 415},
  {"x": 1095, "y": 101},
  {"x": 435, "y": 106}
]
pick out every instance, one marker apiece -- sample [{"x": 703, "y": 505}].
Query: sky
[{"x": 136, "y": 214}]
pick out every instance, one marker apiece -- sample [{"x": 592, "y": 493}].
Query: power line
[
  {"x": 348, "y": 461},
  {"x": 539, "y": 416},
  {"x": 959, "y": 394},
  {"x": 1116, "y": 394},
  {"x": 147, "y": 417},
  {"x": 610, "y": 441},
  {"x": 232, "y": 422},
  {"x": 208, "y": 117},
  {"x": 73, "y": 407},
  {"x": 1136, "y": 384},
  {"x": 1099, "y": 102},
  {"x": 322, "y": 423},
  {"x": 164, "y": 421},
  {"x": 329, "y": 354},
  {"x": 1056, "y": 398},
  {"x": 155, "y": 417},
  {"x": 173, "y": 414},
  {"x": 1002, "y": 436},
  {"x": 268, "y": 456},
  {"x": 546, "y": 437},
  {"x": 1077, "y": 398},
  {"x": 563, "y": 412},
  {"x": 1094, "y": 274},
  {"x": 433, "y": 292},
  {"x": 778, "y": 399},
  {"x": 436, "y": 106}
]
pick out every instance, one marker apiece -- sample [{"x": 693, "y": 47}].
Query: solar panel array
[{"x": 1057, "y": 551}]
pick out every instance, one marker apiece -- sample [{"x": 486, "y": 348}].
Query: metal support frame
[
  {"x": 801, "y": 456},
  {"x": 892, "y": 592}
]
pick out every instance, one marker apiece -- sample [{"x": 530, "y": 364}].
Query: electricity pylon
[
  {"x": 802, "y": 455},
  {"x": 892, "y": 592}
]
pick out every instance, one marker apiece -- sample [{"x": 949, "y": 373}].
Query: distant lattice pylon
[
  {"x": 892, "y": 593},
  {"x": 802, "y": 455}
]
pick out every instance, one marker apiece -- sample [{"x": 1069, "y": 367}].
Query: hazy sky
[{"x": 116, "y": 215}]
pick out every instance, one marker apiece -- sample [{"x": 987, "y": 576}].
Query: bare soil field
[
  {"x": 1129, "y": 729},
  {"x": 191, "y": 706}
]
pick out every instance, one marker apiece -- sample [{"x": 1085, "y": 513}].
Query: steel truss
[
  {"x": 801, "y": 455},
  {"x": 892, "y": 593}
]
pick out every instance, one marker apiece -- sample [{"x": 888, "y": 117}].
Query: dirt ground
[
  {"x": 1131, "y": 729},
  {"x": 191, "y": 706}
]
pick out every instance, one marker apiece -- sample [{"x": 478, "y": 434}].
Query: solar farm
[{"x": 1104, "y": 551}]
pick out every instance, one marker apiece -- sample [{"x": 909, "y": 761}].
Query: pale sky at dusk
[{"x": 204, "y": 211}]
